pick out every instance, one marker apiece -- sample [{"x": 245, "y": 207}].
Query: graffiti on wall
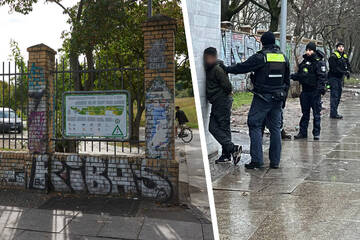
[
  {"x": 100, "y": 175},
  {"x": 237, "y": 47},
  {"x": 15, "y": 177},
  {"x": 157, "y": 58},
  {"x": 37, "y": 110},
  {"x": 159, "y": 120}
]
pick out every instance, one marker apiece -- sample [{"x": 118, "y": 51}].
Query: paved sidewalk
[
  {"x": 314, "y": 195},
  {"x": 38, "y": 216}
]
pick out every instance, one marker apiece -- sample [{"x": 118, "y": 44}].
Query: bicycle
[{"x": 185, "y": 134}]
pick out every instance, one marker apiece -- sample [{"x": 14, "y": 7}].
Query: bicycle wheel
[{"x": 186, "y": 135}]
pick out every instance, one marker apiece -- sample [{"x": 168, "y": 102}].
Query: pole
[
  {"x": 149, "y": 8},
  {"x": 283, "y": 25}
]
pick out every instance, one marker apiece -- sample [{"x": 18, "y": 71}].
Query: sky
[{"x": 44, "y": 25}]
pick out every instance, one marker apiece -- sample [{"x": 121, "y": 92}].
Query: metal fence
[{"x": 101, "y": 75}]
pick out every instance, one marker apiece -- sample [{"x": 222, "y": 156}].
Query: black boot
[
  {"x": 337, "y": 117},
  {"x": 300, "y": 136},
  {"x": 284, "y": 135},
  {"x": 253, "y": 165}
]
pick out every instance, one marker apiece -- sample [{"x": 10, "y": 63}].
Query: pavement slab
[
  {"x": 170, "y": 230},
  {"x": 122, "y": 227},
  {"x": 42, "y": 220}
]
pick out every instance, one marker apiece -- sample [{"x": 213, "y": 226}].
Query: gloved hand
[
  {"x": 322, "y": 91},
  {"x": 347, "y": 74}
]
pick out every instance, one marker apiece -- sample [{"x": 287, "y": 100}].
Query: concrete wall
[{"x": 204, "y": 19}]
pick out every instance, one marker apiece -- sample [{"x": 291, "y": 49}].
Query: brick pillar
[
  {"x": 41, "y": 89},
  {"x": 159, "y": 49}
]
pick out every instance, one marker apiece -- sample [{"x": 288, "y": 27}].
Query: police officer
[
  {"x": 271, "y": 81},
  {"x": 312, "y": 77},
  {"x": 339, "y": 67}
]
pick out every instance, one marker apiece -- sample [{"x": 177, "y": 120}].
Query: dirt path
[{"x": 292, "y": 113}]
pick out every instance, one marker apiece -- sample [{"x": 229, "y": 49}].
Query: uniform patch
[{"x": 323, "y": 68}]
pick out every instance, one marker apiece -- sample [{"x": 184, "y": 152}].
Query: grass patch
[
  {"x": 242, "y": 98},
  {"x": 352, "y": 81},
  {"x": 187, "y": 104}
]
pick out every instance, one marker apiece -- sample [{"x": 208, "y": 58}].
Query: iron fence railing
[
  {"x": 101, "y": 75},
  {"x": 13, "y": 106}
]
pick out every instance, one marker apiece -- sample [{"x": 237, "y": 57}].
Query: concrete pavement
[
  {"x": 314, "y": 195},
  {"x": 67, "y": 217}
]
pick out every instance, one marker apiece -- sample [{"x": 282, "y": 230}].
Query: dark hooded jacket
[
  {"x": 312, "y": 72},
  {"x": 218, "y": 84}
]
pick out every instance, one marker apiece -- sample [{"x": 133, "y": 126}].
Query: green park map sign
[{"x": 103, "y": 114}]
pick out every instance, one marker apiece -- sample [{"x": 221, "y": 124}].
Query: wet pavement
[
  {"x": 33, "y": 215},
  {"x": 314, "y": 195}
]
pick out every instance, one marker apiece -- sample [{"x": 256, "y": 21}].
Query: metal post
[
  {"x": 149, "y": 8},
  {"x": 283, "y": 25}
]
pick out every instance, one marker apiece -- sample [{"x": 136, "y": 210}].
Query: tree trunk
[
  {"x": 136, "y": 123},
  {"x": 274, "y": 24},
  {"x": 89, "y": 85}
]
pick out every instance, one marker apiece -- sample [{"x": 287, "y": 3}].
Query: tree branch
[{"x": 259, "y": 5}]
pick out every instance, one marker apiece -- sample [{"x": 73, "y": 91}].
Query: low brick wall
[{"x": 127, "y": 176}]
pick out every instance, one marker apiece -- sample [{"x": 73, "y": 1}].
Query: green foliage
[{"x": 242, "y": 98}]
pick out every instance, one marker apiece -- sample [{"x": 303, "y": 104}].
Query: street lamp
[{"x": 283, "y": 25}]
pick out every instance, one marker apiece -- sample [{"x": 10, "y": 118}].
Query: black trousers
[{"x": 219, "y": 125}]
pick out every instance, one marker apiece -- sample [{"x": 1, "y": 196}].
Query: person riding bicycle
[{"x": 181, "y": 118}]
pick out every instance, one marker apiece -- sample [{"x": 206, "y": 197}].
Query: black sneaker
[
  {"x": 300, "y": 136},
  {"x": 316, "y": 138},
  {"x": 236, "y": 154},
  {"x": 223, "y": 159},
  {"x": 253, "y": 165},
  {"x": 273, "y": 166},
  {"x": 337, "y": 117}
]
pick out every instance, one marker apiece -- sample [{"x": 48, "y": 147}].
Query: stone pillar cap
[
  {"x": 41, "y": 47},
  {"x": 159, "y": 20}
]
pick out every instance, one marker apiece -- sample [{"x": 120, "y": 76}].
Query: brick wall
[
  {"x": 159, "y": 49},
  {"x": 123, "y": 175}
]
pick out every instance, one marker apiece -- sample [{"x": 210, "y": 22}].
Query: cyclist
[{"x": 180, "y": 118}]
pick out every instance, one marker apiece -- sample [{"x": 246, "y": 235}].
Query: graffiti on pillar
[
  {"x": 100, "y": 175},
  {"x": 39, "y": 172},
  {"x": 37, "y": 131},
  {"x": 159, "y": 120},
  {"x": 36, "y": 78},
  {"x": 157, "y": 59},
  {"x": 37, "y": 110}
]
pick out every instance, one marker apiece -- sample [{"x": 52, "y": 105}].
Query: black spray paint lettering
[{"x": 93, "y": 175}]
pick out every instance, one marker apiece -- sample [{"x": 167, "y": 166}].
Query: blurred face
[
  {"x": 341, "y": 48},
  {"x": 309, "y": 52},
  {"x": 210, "y": 60}
]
